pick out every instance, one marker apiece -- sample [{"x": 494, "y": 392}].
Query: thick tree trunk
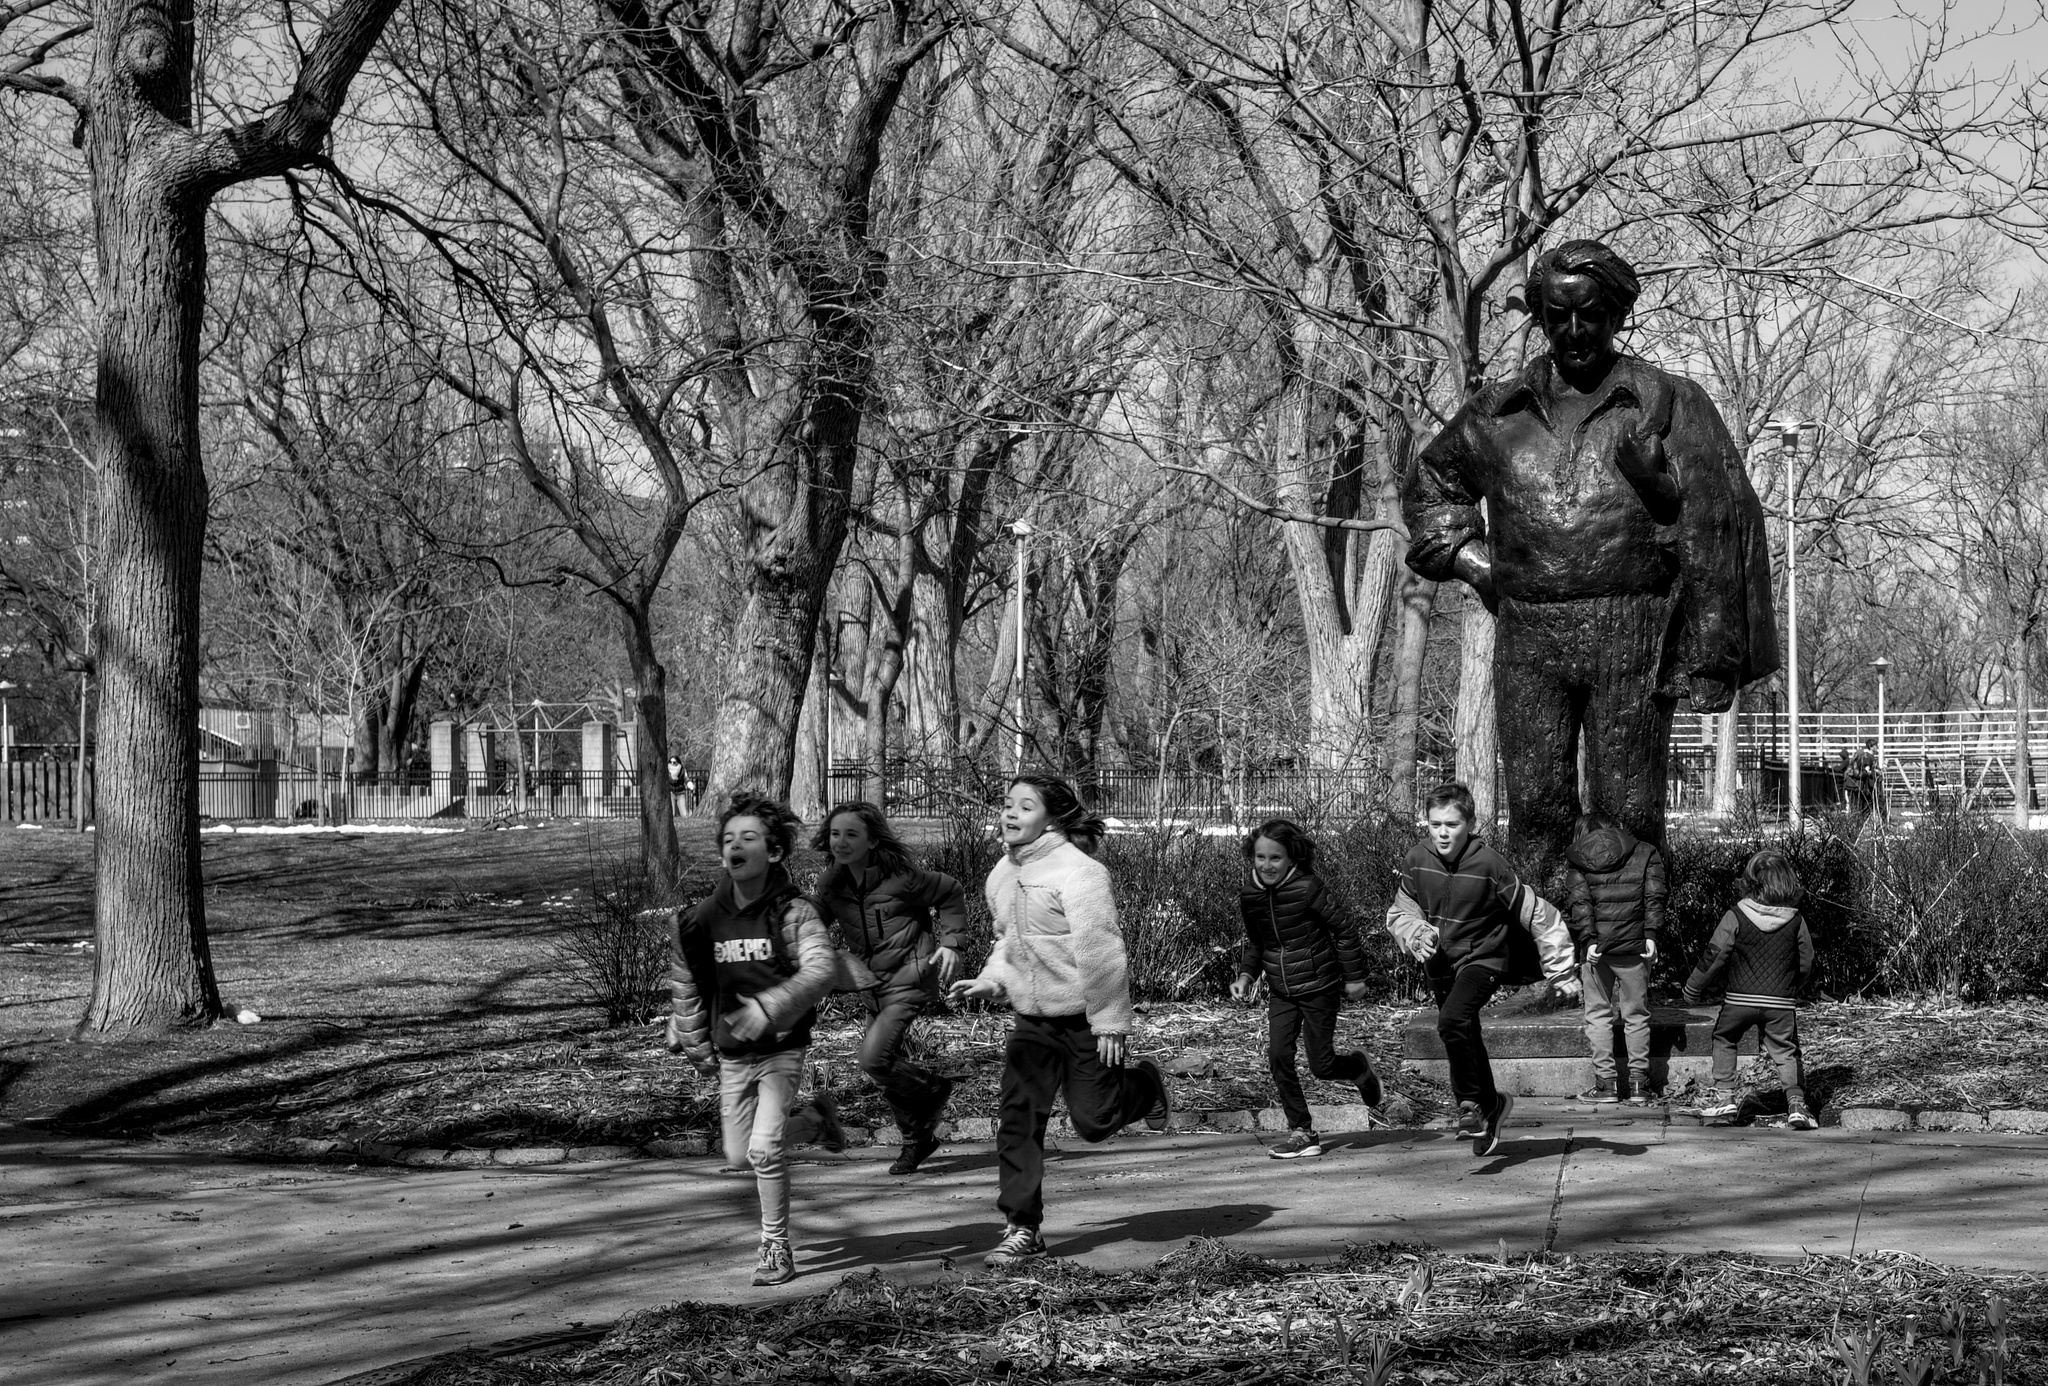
[
  {"x": 1478, "y": 734},
  {"x": 1411, "y": 650},
  {"x": 650, "y": 752},
  {"x": 385, "y": 725},
  {"x": 1725, "y": 770},
  {"x": 152, "y": 967}
]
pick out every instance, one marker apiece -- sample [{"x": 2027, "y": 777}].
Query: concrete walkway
[{"x": 128, "y": 1262}]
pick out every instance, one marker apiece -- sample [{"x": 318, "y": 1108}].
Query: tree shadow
[
  {"x": 1157, "y": 1225},
  {"x": 1514, "y": 1152}
]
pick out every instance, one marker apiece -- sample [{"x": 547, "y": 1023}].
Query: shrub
[{"x": 614, "y": 953}]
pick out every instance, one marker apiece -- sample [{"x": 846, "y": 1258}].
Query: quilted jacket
[
  {"x": 1298, "y": 934},
  {"x": 805, "y": 957},
  {"x": 1058, "y": 949},
  {"x": 893, "y": 923},
  {"x": 1615, "y": 887}
]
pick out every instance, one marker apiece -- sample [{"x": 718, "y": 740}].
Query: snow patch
[{"x": 312, "y": 829}]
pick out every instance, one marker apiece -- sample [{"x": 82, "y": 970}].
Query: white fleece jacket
[{"x": 1058, "y": 949}]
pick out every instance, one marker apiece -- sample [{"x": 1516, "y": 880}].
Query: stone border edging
[{"x": 1330, "y": 1120}]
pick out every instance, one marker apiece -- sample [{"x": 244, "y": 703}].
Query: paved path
[{"x": 127, "y": 1262}]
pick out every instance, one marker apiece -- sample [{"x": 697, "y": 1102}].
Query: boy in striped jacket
[
  {"x": 1762, "y": 956},
  {"x": 1463, "y": 913}
]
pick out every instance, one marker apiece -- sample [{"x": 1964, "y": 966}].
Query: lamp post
[
  {"x": 1022, "y": 529},
  {"x": 1883, "y": 667},
  {"x": 6, "y": 724},
  {"x": 1788, "y": 444}
]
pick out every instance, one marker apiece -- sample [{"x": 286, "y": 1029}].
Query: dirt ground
[{"x": 411, "y": 990}]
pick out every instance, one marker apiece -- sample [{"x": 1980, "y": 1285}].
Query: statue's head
[{"x": 1580, "y": 294}]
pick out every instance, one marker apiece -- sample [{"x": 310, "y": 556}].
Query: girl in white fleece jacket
[{"x": 1059, "y": 959}]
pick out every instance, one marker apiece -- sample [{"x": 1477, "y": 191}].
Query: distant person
[
  {"x": 1059, "y": 960},
  {"x": 1866, "y": 778},
  {"x": 1615, "y": 893},
  {"x": 1762, "y": 955},
  {"x": 749, "y": 966},
  {"x": 1299, "y": 937},
  {"x": 907, "y": 925},
  {"x": 681, "y": 789},
  {"x": 1467, "y": 918}
]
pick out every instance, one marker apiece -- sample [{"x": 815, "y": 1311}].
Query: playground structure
[{"x": 553, "y": 760}]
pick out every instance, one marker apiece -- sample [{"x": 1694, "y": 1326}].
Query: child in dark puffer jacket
[
  {"x": 1615, "y": 886},
  {"x": 1761, "y": 955},
  {"x": 1301, "y": 939}
]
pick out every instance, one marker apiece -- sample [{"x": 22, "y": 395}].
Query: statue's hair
[{"x": 1595, "y": 261}]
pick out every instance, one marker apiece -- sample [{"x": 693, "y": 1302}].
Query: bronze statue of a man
[{"x": 1600, "y": 509}]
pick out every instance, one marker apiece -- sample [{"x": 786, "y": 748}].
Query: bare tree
[{"x": 155, "y": 172}]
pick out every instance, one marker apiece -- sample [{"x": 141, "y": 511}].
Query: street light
[
  {"x": 6, "y": 725},
  {"x": 1022, "y": 529},
  {"x": 1883, "y": 667},
  {"x": 1788, "y": 443}
]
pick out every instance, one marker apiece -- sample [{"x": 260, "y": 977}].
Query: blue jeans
[{"x": 1617, "y": 987}]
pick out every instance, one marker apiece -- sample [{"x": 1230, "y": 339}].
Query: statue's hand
[
  {"x": 1641, "y": 460},
  {"x": 1709, "y": 694},
  {"x": 1475, "y": 567}
]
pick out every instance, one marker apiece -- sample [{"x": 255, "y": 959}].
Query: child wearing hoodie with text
[
  {"x": 1762, "y": 956},
  {"x": 749, "y": 965},
  {"x": 1615, "y": 888}
]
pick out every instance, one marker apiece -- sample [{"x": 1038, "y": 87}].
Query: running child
[
  {"x": 1059, "y": 959},
  {"x": 1615, "y": 887},
  {"x": 749, "y": 965},
  {"x": 1764, "y": 951},
  {"x": 1463, "y": 913},
  {"x": 1301, "y": 939},
  {"x": 906, "y": 925}
]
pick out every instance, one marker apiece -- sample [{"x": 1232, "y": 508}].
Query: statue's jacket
[{"x": 1563, "y": 521}]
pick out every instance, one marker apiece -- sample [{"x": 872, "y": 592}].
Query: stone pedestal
[
  {"x": 441, "y": 757},
  {"x": 597, "y": 758},
  {"x": 1546, "y": 1055},
  {"x": 479, "y": 751}
]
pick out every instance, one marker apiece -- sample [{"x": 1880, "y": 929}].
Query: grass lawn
[
  {"x": 1383, "y": 1316},
  {"x": 411, "y": 991}
]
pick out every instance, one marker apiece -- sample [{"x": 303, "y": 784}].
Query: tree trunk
[
  {"x": 2023, "y": 755},
  {"x": 1726, "y": 725},
  {"x": 385, "y": 725},
  {"x": 152, "y": 967},
  {"x": 658, "y": 846},
  {"x": 1418, "y": 601},
  {"x": 883, "y": 668},
  {"x": 1478, "y": 735}
]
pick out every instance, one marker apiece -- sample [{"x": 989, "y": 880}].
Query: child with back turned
[
  {"x": 1301, "y": 940},
  {"x": 1761, "y": 955},
  {"x": 1615, "y": 888},
  {"x": 749, "y": 966}
]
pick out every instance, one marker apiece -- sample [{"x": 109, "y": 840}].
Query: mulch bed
[{"x": 1383, "y": 1315}]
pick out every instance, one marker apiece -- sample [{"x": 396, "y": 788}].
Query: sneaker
[
  {"x": 1720, "y": 1102},
  {"x": 1640, "y": 1090},
  {"x": 831, "y": 1134},
  {"x": 1488, "y": 1140},
  {"x": 1602, "y": 1093},
  {"x": 1369, "y": 1091},
  {"x": 1019, "y": 1244},
  {"x": 913, "y": 1153},
  {"x": 1800, "y": 1118},
  {"x": 1294, "y": 1145},
  {"x": 1471, "y": 1121},
  {"x": 1161, "y": 1111},
  {"x": 776, "y": 1266}
]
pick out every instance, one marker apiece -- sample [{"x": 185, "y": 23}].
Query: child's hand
[
  {"x": 1593, "y": 952},
  {"x": 749, "y": 1022},
  {"x": 1110, "y": 1049},
  {"x": 1422, "y": 947},
  {"x": 974, "y": 989},
  {"x": 1650, "y": 948},
  {"x": 1241, "y": 987},
  {"x": 1566, "y": 987},
  {"x": 947, "y": 961},
  {"x": 1354, "y": 992}
]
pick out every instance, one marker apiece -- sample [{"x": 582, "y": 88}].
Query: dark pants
[
  {"x": 1458, "y": 999},
  {"x": 1049, "y": 1056},
  {"x": 1312, "y": 1021},
  {"x": 1779, "y": 1028},
  {"x": 911, "y": 1089},
  {"x": 1586, "y": 671}
]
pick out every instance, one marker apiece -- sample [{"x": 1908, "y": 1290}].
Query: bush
[{"x": 614, "y": 953}]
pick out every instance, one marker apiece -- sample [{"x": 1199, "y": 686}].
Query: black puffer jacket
[
  {"x": 894, "y": 922},
  {"x": 1299, "y": 935},
  {"x": 1616, "y": 888}
]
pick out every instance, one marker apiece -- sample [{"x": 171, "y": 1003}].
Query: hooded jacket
[
  {"x": 1058, "y": 949},
  {"x": 1766, "y": 952},
  {"x": 1299, "y": 935},
  {"x": 893, "y": 923},
  {"x": 773, "y": 950},
  {"x": 1614, "y": 886}
]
